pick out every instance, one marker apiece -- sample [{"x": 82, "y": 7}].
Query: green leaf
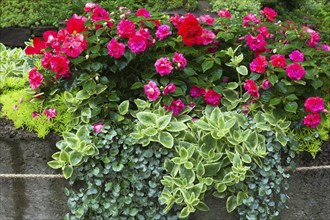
[
  {"x": 123, "y": 107},
  {"x": 82, "y": 94},
  {"x": 163, "y": 121},
  {"x": 240, "y": 197},
  {"x": 150, "y": 131},
  {"x": 90, "y": 86},
  {"x": 176, "y": 127},
  {"x": 189, "y": 71},
  {"x": 273, "y": 79},
  {"x": 75, "y": 158},
  {"x": 67, "y": 171},
  {"x": 291, "y": 107},
  {"x": 242, "y": 70},
  {"x": 68, "y": 96},
  {"x": 202, "y": 206},
  {"x": 141, "y": 104},
  {"x": 117, "y": 167},
  {"x": 207, "y": 64},
  {"x": 292, "y": 97},
  {"x": 231, "y": 203},
  {"x": 137, "y": 85},
  {"x": 100, "y": 88},
  {"x": 166, "y": 139},
  {"x": 147, "y": 118},
  {"x": 64, "y": 156},
  {"x": 200, "y": 169},
  {"x": 188, "y": 165},
  {"x": 184, "y": 213},
  {"x": 83, "y": 133},
  {"x": 133, "y": 212},
  {"x": 55, "y": 164},
  {"x": 275, "y": 101},
  {"x": 317, "y": 83},
  {"x": 221, "y": 187}
]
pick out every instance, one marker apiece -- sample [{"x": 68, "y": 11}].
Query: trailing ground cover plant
[{"x": 202, "y": 103}]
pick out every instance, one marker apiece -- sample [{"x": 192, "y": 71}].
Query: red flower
[
  {"x": 116, "y": 49},
  {"x": 176, "y": 106},
  {"x": 278, "y": 60},
  {"x": 125, "y": 28},
  {"x": 37, "y": 48},
  {"x": 196, "y": 91},
  {"x": 295, "y": 71},
  {"x": 314, "y": 104},
  {"x": 259, "y": 64},
  {"x": 269, "y": 13},
  {"x": 190, "y": 30},
  {"x": 35, "y": 78},
  {"x": 142, "y": 12},
  {"x": 212, "y": 98},
  {"x": 251, "y": 87},
  {"x": 176, "y": 20},
  {"x": 75, "y": 25},
  {"x": 257, "y": 43},
  {"x": 60, "y": 65},
  {"x": 312, "y": 120}
]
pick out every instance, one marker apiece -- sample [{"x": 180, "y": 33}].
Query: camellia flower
[
  {"x": 212, "y": 98},
  {"x": 297, "y": 56},
  {"x": 179, "y": 60},
  {"x": 74, "y": 45},
  {"x": 37, "y": 48},
  {"x": 152, "y": 91},
  {"x": 257, "y": 43},
  {"x": 35, "y": 78},
  {"x": 196, "y": 91},
  {"x": 115, "y": 49},
  {"x": 251, "y": 87},
  {"x": 314, "y": 104},
  {"x": 190, "y": 30},
  {"x": 137, "y": 44},
  {"x": 278, "y": 60},
  {"x": 265, "y": 84},
  {"x": 163, "y": 31},
  {"x": 269, "y": 13},
  {"x": 163, "y": 66},
  {"x": 312, "y": 120},
  {"x": 126, "y": 28},
  {"x": 207, "y": 19},
  {"x": 207, "y": 37},
  {"x": 250, "y": 17},
  {"x": 295, "y": 71},
  {"x": 50, "y": 113},
  {"x": 97, "y": 127},
  {"x": 143, "y": 12},
  {"x": 60, "y": 65},
  {"x": 224, "y": 13},
  {"x": 176, "y": 106},
  {"x": 259, "y": 64},
  {"x": 170, "y": 88}
]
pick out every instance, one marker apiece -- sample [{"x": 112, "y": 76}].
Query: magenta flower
[
  {"x": 314, "y": 104},
  {"x": 100, "y": 14},
  {"x": 125, "y": 28},
  {"x": 89, "y": 7},
  {"x": 74, "y": 45},
  {"x": 312, "y": 120},
  {"x": 314, "y": 37},
  {"x": 170, "y": 88},
  {"x": 60, "y": 65},
  {"x": 325, "y": 47},
  {"x": 264, "y": 31},
  {"x": 97, "y": 127},
  {"x": 176, "y": 106},
  {"x": 257, "y": 43},
  {"x": 265, "y": 84},
  {"x": 163, "y": 66},
  {"x": 137, "y": 44},
  {"x": 212, "y": 98},
  {"x": 176, "y": 20},
  {"x": 251, "y": 87},
  {"x": 269, "y": 13},
  {"x": 143, "y": 12},
  {"x": 144, "y": 32},
  {"x": 163, "y": 31},
  {"x": 50, "y": 113},
  {"x": 224, "y": 13},
  {"x": 278, "y": 60},
  {"x": 259, "y": 64},
  {"x": 179, "y": 60},
  {"x": 196, "y": 91},
  {"x": 295, "y": 71},
  {"x": 152, "y": 91},
  {"x": 250, "y": 17},
  {"x": 35, "y": 78},
  {"x": 207, "y": 19},
  {"x": 207, "y": 36},
  {"x": 45, "y": 60},
  {"x": 297, "y": 56},
  {"x": 116, "y": 49}
]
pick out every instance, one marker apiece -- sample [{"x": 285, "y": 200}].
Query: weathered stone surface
[{"x": 14, "y": 36}]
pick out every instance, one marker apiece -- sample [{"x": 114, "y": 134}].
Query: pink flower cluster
[
  {"x": 164, "y": 66},
  {"x": 210, "y": 96},
  {"x": 313, "y": 106}
]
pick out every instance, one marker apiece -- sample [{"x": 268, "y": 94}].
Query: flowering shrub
[{"x": 183, "y": 84}]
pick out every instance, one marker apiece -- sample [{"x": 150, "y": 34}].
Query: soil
[{"x": 322, "y": 158}]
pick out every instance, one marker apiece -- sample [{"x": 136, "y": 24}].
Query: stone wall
[{"x": 22, "y": 152}]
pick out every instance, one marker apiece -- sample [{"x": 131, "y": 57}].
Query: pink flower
[
  {"x": 176, "y": 106},
  {"x": 97, "y": 127},
  {"x": 269, "y": 13},
  {"x": 50, "y": 113},
  {"x": 207, "y": 19},
  {"x": 325, "y": 47},
  {"x": 259, "y": 64},
  {"x": 314, "y": 37},
  {"x": 143, "y": 12},
  {"x": 224, "y": 13},
  {"x": 163, "y": 66},
  {"x": 35, "y": 78},
  {"x": 35, "y": 114},
  {"x": 264, "y": 31},
  {"x": 278, "y": 60},
  {"x": 245, "y": 108},
  {"x": 163, "y": 31},
  {"x": 265, "y": 84},
  {"x": 212, "y": 98},
  {"x": 45, "y": 60},
  {"x": 152, "y": 91},
  {"x": 314, "y": 104},
  {"x": 89, "y": 7},
  {"x": 207, "y": 37},
  {"x": 116, "y": 49},
  {"x": 126, "y": 29},
  {"x": 257, "y": 43},
  {"x": 144, "y": 32},
  {"x": 137, "y": 44},
  {"x": 179, "y": 60},
  {"x": 74, "y": 45},
  {"x": 251, "y": 87},
  {"x": 312, "y": 120},
  {"x": 196, "y": 91},
  {"x": 100, "y": 14},
  {"x": 176, "y": 20},
  {"x": 170, "y": 88},
  {"x": 295, "y": 71},
  {"x": 297, "y": 56},
  {"x": 60, "y": 65},
  {"x": 250, "y": 17}
]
